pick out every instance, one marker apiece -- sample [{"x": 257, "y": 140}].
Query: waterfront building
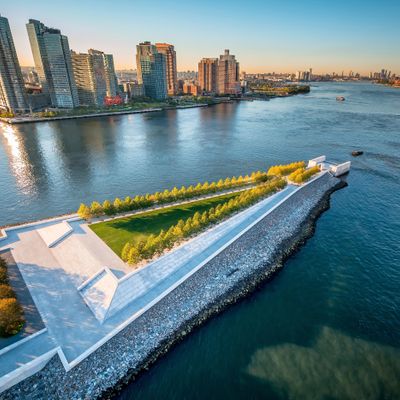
[
  {"x": 136, "y": 89},
  {"x": 191, "y": 88},
  {"x": 12, "y": 89},
  {"x": 151, "y": 70},
  {"x": 90, "y": 77},
  {"x": 228, "y": 74},
  {"x": 208, "y": 75},
  {"x": 111, "y": 77},
  {"x": 170, "y": 64},
  {"x": 133, "y": 89},
  {"x": 53, "y": 64}
]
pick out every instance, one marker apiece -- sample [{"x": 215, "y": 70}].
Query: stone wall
[{"x": 232, "y": 274}]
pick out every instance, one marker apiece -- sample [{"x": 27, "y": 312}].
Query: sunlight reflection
[{"x": 19, "y": 160}]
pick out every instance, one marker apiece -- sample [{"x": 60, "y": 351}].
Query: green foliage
[
  {"x": 155, "y": 244},
  {"x": 133, "y": 228},
  {"x": 279, "y": 170},
  {"x": 3, "y": 276},
  {"x": 168, "y": 196},
  {"x": 302, "y": 175},
  {"x": 6, "y": 292},
  {"x": 11, "y": 317}
]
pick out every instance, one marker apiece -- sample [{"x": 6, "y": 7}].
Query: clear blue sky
[{"x": 265, "y": 36}]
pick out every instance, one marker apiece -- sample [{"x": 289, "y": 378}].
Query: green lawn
[{"x": 119, "y": 231}]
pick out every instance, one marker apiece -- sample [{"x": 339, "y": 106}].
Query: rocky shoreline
[{"x": 233, "y": 274}]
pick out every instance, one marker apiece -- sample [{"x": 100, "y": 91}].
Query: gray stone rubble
[{"x": 232, "y": 274}]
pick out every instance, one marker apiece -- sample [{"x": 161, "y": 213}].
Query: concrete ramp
[{"x": 55, "y": 233}]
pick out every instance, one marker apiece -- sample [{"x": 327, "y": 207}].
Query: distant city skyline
[{"x": 346, "y": 35}]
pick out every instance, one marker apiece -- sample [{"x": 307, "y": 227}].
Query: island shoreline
[
  {"x": 235, "y": 273},
  {"x": 243, "y": 290}
]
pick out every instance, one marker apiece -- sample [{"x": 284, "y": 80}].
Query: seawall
[{"x": 232, "y": 274}]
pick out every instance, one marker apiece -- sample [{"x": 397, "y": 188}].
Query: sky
[{"x": 265, "y": 36}]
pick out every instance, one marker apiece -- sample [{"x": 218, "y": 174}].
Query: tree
[
  {"x": 133, "y": 255},
  {"x": 118, "y": 205},
  {"x": 96, "y": 209},
  {"x": 127, "y": 203},
  {"x": 84, "y": 211},
  {"x": 108, "y": 207},
  {"x": 125, "y": 251}
]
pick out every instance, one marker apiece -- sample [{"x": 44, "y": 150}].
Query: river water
[{"x": 328, "y": 325}]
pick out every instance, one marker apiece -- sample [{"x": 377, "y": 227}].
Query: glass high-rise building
[
  {"x": 12, "y": 89},
  {"x": 170, "y": 65},
  {"x": 151, "y": 70},
  {"x": 53, "y": 64},
  {"x": 111, "y": 78}
]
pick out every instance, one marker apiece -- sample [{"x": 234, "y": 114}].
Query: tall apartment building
[
  {"x": 170, "y": 64},
  {"x": 53, "y": 64},
  {"x": 111, "y": 77},
  {"x": 208, "y": 75},
  {"x": 90, "y": 77},
  {"x": 151, "y": 70},
  {"x": 12, "y": 90},
  {"x": 228, "y": 74}
]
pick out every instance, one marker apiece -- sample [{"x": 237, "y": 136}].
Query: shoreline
[
  {"x": 250, "y": 285},
  {"x": 229, "y": 276},
  {"x": 29, "y": 120}
]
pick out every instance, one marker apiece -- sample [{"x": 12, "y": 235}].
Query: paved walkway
[{"x": 53, "y": 275}]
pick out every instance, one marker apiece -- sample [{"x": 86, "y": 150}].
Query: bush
[
  {"x": 11, "y": 318},
  {"x": 3, "y": 276},
  {"x": 6, "y": 292}
]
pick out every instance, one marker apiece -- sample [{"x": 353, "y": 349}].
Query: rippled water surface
[{"x": 328, "y": 325}]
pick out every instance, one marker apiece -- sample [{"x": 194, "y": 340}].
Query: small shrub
[
  {"x": 3, "y": 276},
  {"x": 6, "y": 292},
  {"x": 11, "y": 318}
]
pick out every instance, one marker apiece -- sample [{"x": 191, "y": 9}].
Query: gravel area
[{"x": 234, "y": 273}]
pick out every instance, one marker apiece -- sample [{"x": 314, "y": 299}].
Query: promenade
[{"x": 54, "y": 274}]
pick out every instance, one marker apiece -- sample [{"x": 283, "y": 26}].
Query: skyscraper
[
  {"x": 228, "y": 74},
  {"x": 208, "y": 75},
  {"x": 170, "y": 63},
  {"x": 94, "y": 76},
  {"x": 53, "y": 64},
  {"x": 12, "y": 90},
  {"x": 111, "y": 78},
  {"x": 151, "y": 70},
  {"x": 90, "y": 78}
]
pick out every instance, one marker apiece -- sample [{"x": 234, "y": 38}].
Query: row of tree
[
  {"x": 283, "y": 170},
  {"x": 302, "y": 175},
  {"x": 167, "y": 196},
  {"x": 135, "y": 252},
  {"x": 11, "y": 314}
]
